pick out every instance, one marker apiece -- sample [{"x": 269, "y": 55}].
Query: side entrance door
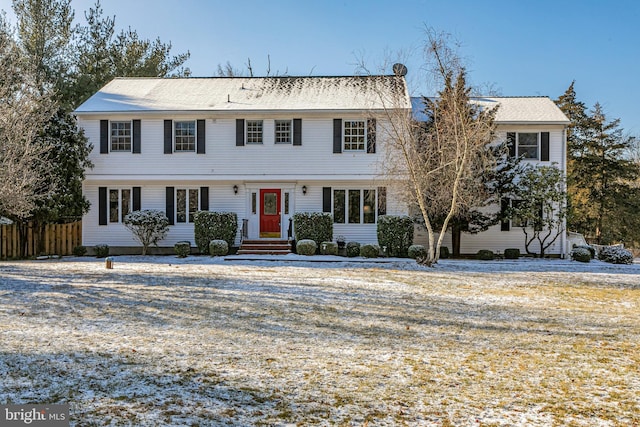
[{"x": 270, "y": 213}]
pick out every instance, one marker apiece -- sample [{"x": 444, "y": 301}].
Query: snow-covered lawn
[{"x": 202, "y": 341}]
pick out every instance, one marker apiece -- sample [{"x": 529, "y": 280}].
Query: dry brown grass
[{"x": 151, "y": 344}]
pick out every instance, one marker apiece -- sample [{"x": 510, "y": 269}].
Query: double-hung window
[
  {"x": 354, "y": 135},
  {"x": 355, "y": 206},
  {"x": 185, "y": 135},
  {"x": 121, "y": 136},
  {"x": 283, "y": 132},
  {"x": 119, "y": 204},
  {"x": 254, "y": 131},
  {"x": 187, "y": 204},
  {"x": 528, "y": 143}
]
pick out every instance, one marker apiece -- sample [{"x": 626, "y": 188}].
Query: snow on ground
[{"x": 299, "y": 340}]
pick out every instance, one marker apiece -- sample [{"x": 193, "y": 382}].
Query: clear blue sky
[{"x": 528, "y": 47}]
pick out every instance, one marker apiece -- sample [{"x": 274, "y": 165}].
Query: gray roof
[
  {"x": 516, "y": 110},
  {"x": 125, "y": 95}
]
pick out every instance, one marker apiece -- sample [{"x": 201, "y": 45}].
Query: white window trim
[
  {"x": 187, "y": 210},
  {"x": 120, "y": 215},
  {"x": 275, "y": 131},
  {"x": 361, "y": 205},
  {"x": 344, "y": 136},
  {"x": 111, "y": 122},
  {"x": 246, "y": 131},
  {"x": 538, "y": 156},
  {"x": 195, "y": 136}
]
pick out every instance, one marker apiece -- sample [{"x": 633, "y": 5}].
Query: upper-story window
[
  {"x": 528, "y": 143},
  {"x": 283, "y": 131},
  {"x": 355, "y": 135},
  {"x": 254, "y": 131},
  {"x": 121, "y": 136},
  {"x": 185, "y": 135}
]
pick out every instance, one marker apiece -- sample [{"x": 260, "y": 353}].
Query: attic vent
[{"x": 399, "y": 69}]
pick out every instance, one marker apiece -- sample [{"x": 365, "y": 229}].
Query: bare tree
[
  {"x": 442, "y": 155},
  {"x": 24, "y": 110}
]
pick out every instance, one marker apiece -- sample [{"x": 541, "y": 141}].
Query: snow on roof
[
  {"x": 522, "y": 109},
  {"x": 245, "y": 94}
]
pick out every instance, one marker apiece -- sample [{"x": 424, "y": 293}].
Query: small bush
[
  {"x": 80, "y": 250},
  {"x": 353, "y": 249},
  {"x": 590, "y": 248},
  {"x": 370, "y": 251},
  {"x": 615, "y": 255},
  {"x": 581, "y": 254},
  {"x": 485, "y": 255},
  {"x": 218, "y": 247},
  {"x": 396, "y": 233},
  {"x": 417, "y": 251},
  {"x": 210, "y": 226},
  {"x": 182, "y": 249},
  {"x": 444, "y": 252},
  {"x": 306, "y": 247},
  {"x": 316, "y": 226},
  {"x": 148, "y": 227},
  {"x": 101, "y": 251},
  {"x": 512, "y": 253},
  {"x": 329, "y": 248}
]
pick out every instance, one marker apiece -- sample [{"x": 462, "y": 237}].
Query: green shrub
[
  {"x": 148, "y": 227},
  {"x": 590, "y": 248},
  {"x": 417, "y": 251},
  {"x": 444, "y": 252},
  {"x": 80, "y": 250},
  {"x": 485, "y": 255},
  {"x": 512, "y": 253},
  {"x": 218, "y": 247},
  {"x": 306, "y": 247},
  {"x": 316, "y": 226},
  {"x": 329, "y": 248},
  {"x": 182, "y": 249},
  {"x": 210, "y": 226},
  {"x": 353, "y": 249},
  {"x": 101, "y": 251},
  {"x": 581, "y": 254},
  {"x": 615, "y": 255},
  {"x": 370, "y": 251},
  {"x": 396, "y": 233}
]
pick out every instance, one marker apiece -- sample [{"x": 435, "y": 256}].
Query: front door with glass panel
[{"x": 270, "y": 213}]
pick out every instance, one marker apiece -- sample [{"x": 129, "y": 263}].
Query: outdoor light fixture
[
  {"x": 304, "y": 189},
  {"x": 235, "y": 189}
]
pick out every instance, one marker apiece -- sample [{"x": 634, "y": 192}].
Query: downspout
[{"x": 563, "y": 238}]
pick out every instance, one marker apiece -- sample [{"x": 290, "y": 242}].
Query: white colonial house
[{"x": 266, "y": 148}]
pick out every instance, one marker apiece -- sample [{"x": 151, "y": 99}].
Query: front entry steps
[{"x": 264, "y": 247}]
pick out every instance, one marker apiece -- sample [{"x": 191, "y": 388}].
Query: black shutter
[
  {"x": 544, "y": 146},
  {"x": 382, "y": 201},
  {"x": 136, "y": 199},
  {"x": 104, "y": 136},
  {"x": 297, "y": 131},
  {"x": 102, "y": 205},
  {"x": 511, "y": 143},
  {"x": 504, "y": 206},
  {"x": 239, "y": 132},
  {"x": 204, "y": 198},
  {"x": 337, "y": 135},
  {"x": 136, "y": 137},
  {"x": 170, "y": 205},
  {"x": 326, "y": 199},
  {"x": 371, "y": 136},
  {"x": 200, "y": 134},
  {"x": 168, "y": 136}
]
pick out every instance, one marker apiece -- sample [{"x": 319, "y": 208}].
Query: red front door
[{"x": 270, "y": 213}]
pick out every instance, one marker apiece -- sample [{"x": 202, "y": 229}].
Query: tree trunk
[{"x": 456, "y": 236}]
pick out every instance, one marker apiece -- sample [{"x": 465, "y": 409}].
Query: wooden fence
[{"x": 59, "y": 239}]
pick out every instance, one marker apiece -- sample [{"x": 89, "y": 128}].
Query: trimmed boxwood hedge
[
  {"x": 370, "y": 251},
  {"x": 353, "y": 249},
  {"x": 485, "y": 255},
  {"x": 182, "y": 249},
  {"x": 210, "y": 226},
  {"x": 396, "y": 233},
  {"x": 512, "y": 253},
  {"x": 218, "y": 247},
  {"x": 417, "y": 251},
  {"x": 306, "y": 247},
  {"x": 329, "y": 248},
  {"x": 316, "y": 226}
]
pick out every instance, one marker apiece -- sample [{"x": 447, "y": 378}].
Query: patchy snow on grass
[{"x": 311, "y": 340}]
